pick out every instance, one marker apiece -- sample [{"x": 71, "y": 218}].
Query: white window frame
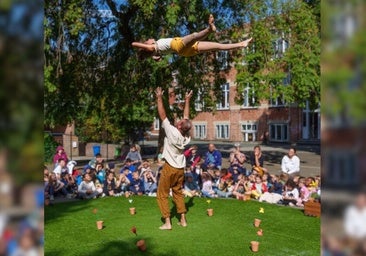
[
  {"x": 248, "y": 97},
  {"x": 342, "y": 167},
  {"x": 280, "y": 46},
  {"x": 249, "y": 128},
  {"x": 198, "y": 103},
  {"x": 276, "y": 102},
  {"x": 225, "y": 88},
  {"x": 156, "y": 124},
  {"x": 284, "y": 131},
  {"x": 200, "y": 130},
  {"x": 222, "y": 131},
  {"x": 222, "y": 57}
]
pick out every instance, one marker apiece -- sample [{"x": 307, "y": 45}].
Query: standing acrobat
[{"x": 186, "y": 46}]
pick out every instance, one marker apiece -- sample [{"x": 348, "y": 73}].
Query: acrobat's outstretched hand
[
  {"x": 188, "y": 95},
  {"x": 159, "y": 92}
]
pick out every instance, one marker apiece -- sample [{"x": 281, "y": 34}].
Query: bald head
[{"x": 184, "y": 126}]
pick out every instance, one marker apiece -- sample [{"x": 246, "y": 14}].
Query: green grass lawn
[{"x": 70, "y": 229}]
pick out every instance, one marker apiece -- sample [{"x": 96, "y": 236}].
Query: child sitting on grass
[
  {"x": 191, "y": 187},
  {"x": 207, "y": 190},
  {"x": 258, "y": 188},
  {"x": 291, "y": 193},
  {"x": 109, "y": 187},
  {"x": 304, "y": 193},
  {"x": 87, "y": 189},
  {"x": 137, "y": 184}
]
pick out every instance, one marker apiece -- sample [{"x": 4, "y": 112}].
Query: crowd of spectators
[{"x": 245, "y": 178}]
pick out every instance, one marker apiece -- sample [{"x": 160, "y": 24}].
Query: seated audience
[
  {"x": 258, "y": 188},
  {"x": 207, "y": 189},
  {"x": 191, "y": 187},
  {"x": 60, "y": 153},
  {"x": 87, "y": 189},
  {"x": 213, "y": 158},
  {"x": 304, "y": 193},
  {"x": 60, "y": 168},
  {"x": 192, "y": 157},
  {"x": 109, "y": 186},
  {"x": 257, "y": 160},
  {"x": 290, "y": 163},
  {"x": 274, "y": 194},
  {"x": 136, "y": 185},
  {"x": 134, "y": 155},
  {"x": 128, "y": 169},
  {"x": 237, "y": 160},
  {"x": 55, "y": 187},
  {"x": 123, "y": 184},
  {"x": 226, "y": 187},
  {"x": 150, "y": 184},
  {"x": 290, "y": 194}
]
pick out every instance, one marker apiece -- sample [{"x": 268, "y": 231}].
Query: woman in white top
[{"x": 186, "y": 46}]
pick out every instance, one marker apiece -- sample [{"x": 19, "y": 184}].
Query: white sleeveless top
[{"x": 163, "y": 45}]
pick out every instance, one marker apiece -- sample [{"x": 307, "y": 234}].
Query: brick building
[{"x": 272, "y": 120}]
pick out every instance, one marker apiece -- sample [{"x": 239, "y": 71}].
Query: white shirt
[
  {"x": 355, "y": 222},
  {"x": 163, "y": 45},
  {"x": 174, "y": 143},
  {"x": 84, "y": 186},
  {"x": 290, "y": 165},
  {"x": 292, "y": 193}
]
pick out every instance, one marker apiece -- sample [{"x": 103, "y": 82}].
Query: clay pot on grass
[
  {"x": 257, "y": 223},
  {"x": 141, "y": 245},
  {"x": 132, "y": 210},
  {"x": 254, "y": 245},
  {"x": 210, "y": 212},
  {"x": 99, "y": 224}
]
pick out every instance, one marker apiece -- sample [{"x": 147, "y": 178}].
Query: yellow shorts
[{"x": 178, "y": 46}]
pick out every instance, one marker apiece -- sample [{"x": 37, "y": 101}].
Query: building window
[
  {"x": 156, "y": 124},
  {"x": 222, "y": 131},
  {"x": 199, "y": 131},
  {"x": 222, "y": 58},
  {"x": 249, "y": 130},
  {"x": 341, "y": 168},
  {"x": 278, "y": 132},
  {"x": 280, "y": 46},
  {"x": 224, "y": 103},
  {"x": 198, "y": 103},
  {"x": 248, "y": 97},
  {"x": 275, "y": 99},
  {"x": 246, "y": 51}
]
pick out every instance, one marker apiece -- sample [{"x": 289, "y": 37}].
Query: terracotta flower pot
[
  {"x": 132, "y": 210},
  {"x": 141, "y": 245},
  {"x": 210, "y": 212},
  {"x": 99, "y": 224},
  {"x": 257, "y": 223},
  {"x": 254, "y": 245}
]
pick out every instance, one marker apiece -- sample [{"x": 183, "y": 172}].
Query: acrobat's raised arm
[{"x": 144, "y": 46}]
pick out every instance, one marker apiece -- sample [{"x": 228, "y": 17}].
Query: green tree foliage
[
  {"x": 343, "y": 65},
  {"x": 294, "y": 74},
  {"x": 93, "y": 76}
]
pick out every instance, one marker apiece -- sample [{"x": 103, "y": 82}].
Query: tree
[
  {"x": 293, "y": 74},
  {"x": 94, "y": 78}
]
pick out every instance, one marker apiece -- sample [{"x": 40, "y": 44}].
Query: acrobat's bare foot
[
  {"x": 165, "y": 227},
  {"x": 246, "y": 42},
  {"x": 211, "y": 23}
]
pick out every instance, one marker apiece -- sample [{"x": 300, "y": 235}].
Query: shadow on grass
[
  {"x": 173, "y": 211},
  {"x": 64, "y": 209},
  {"x": 119, "y": 248}
]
